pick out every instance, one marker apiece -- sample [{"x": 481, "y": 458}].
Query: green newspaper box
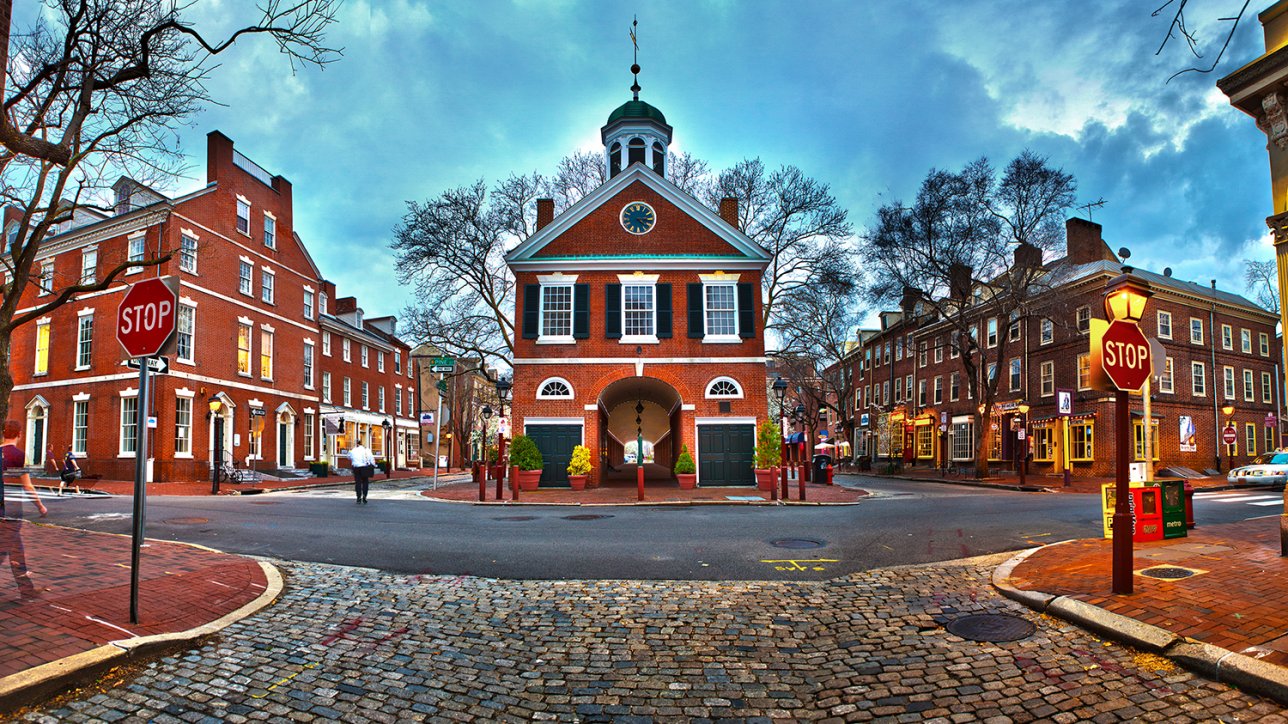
[{"x": 1173, "y": 493}]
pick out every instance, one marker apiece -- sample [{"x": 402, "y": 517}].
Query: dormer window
[{"x": 357, "y": 316}]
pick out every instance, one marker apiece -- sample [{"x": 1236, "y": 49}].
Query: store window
[
  {"x": 1138, "y": 434},
  {"x": 1081, "y": 440}
]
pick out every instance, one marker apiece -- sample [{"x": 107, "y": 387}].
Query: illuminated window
[
  {"x": 1046, "y": 375},
  {"x": 1043, "y": 444},
  {"x": 266, "y": 354},
  {"x": 925, "y": 441},
  {"x": 243, "y": 349},
  {"x": 1084, "y": 371},
  {"x": 1138, "y": 433},
  {"x": 1166, "y": 381},
  {"x": 42, "y": 348},
  {"x": 1081, "y": 437}
]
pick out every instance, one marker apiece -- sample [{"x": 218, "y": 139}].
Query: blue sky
[{"x": 864, "y": 96}]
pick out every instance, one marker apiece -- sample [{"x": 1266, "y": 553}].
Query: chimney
[
  {"x": 908, "y": 303},
  {"x": 219, "y": 154},
  {"x": 1028, "y": 256},
  {"x": 729, "y": 210},
  {"x": 1083, "y": 243},
  {"x": 545, "y": 212},
  {"x": 959, "y": 281}
]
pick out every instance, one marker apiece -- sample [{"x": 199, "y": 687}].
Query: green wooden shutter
[
  {"x": 695, "y": 311},
  {"x": 581, "y": 311},
  {"x": 746, "y": 310},
  {"x": 613, "y": 311},
  {"x": 531, "y": 311},
  {"x": 663, "y": 311}
]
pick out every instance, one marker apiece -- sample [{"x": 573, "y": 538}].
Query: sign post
[
  {"x": 1063, "y": 409},
  {"x": 145, "y": 322},
  {"x": 438, "y": 430}
]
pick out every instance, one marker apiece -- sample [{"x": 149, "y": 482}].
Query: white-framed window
[
  {"x": 346, "y": 349},
  {"x": 137, "y": 247},
  {"x": 954, "y": 387},
  {"x": 1016, "y": 376},
  {"x": 939, "y": 350},
  {"x": 939, "y": 390},
  {"x": 1084, "y": 371},
  {"x": 243, "y": 216},
  {"x": 963, "y": 441},
  {"x": 243, "y": 349},
  {"x": 1164, "y": 325},
  {"x": 80, "y": 427},
  {"x": 266, "y": 354},
  {"x": 1249, "y": 387},
  {"x": 183, "y": 427},
  {"x": 898, "y": 349},
  {"x": 308, "y": 436},
  {"x": 187, "y": 253},
  {"x": 898, "y": 390},
  {"x": 84, "y": 341},
  {"x": 1046, "y": 376},
  {"x": 1198, "y": 379},
  {"x": 380, "y": 398},
  {"x": 398, "y": 406},
  {"x": 1013, "y": 331},
  {"x": 366, "y": 396},
  {"x": 1227, "y": 379},
  {"x": 397, "y": 361},
  {"x": 556, "y": 311},
  {"x": 1196, "y": 330},
  {"x": 326, "y": 387},
  {"x": 885, "y": 392},
  {"x": 348, "y": 393},
  {"x": 380, "y": 361},
  {"x": 42, "y": 347},
  {"x": 363, "y": 354},
  {"x": 128, "y": 440},
  {"x": 267, "y": 280},
  {"x": 244, "y": 271},
  {"x": 724, "y": 388},
  {"x": 1046, "y": 331},
  {"x": 1227, "y": 337},
  {"x": 1167, "y": 381},
  {"x": 1245, "y": 341},
  {"x": 1083, "y": 318},
  {"x": 1267, "y": 388},
  {"x": 411, "y": 399},
  {"x": 308, "y": 365},
  {"x": 923, "y": 357},
  {"x": 555, "y": 388},
  {"x": 720, "y": 312},
  {"x": 185, "y": 332},
  {"x": 308, "y": 304},
  {"x": 1264, "y": 340},
  {"x": 46, "y": 277},
  {"x": 326, "y": 344},
  {"x": 270, "y": 231},
  {"x": 638, "y": 312},
  {"x": 321, "y": 303},
  {"x": 921, "y": 392},
  {"x": 89, "y": 266}
]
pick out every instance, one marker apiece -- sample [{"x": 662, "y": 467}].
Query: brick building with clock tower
[{"x": 638, "y": 317}]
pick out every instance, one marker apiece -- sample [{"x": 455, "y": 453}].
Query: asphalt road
[{"x": 399, "y": 531}]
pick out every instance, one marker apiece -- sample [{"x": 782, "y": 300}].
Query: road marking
[
  {"x": 269, "y": 690},
  {"x": 800, "y": 564}
]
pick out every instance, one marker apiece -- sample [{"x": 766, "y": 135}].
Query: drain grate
[
  {"x": 186, "y": 521},
  {"x": 797, "y": 543},
  {"x": 586, "y": 516},
  {"x": 517, "y": 517},
  {"x": 1167, "y": 573},
  {"x": 992, "y": 627}
]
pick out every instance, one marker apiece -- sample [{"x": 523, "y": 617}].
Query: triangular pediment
[{"x": 685, "y": 229}]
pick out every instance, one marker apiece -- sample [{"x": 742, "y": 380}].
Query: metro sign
[
  {"x": 1125, "y": 355},
  {"x": 146, "y": 318}
]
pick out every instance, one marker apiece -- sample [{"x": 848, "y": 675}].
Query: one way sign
[{"x": 156, "y": 365}]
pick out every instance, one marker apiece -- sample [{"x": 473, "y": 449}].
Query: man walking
[{"x": 364, "y": 465}]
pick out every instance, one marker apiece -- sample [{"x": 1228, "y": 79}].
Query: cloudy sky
[{"x": 864, "y": 96}]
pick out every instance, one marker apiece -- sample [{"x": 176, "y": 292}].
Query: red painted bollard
[
  {"x": 639, "y": 481},
  {"x": 800, "y": 482},
  {"x": 500, "y": 481},
  {"x": 514, "y": 482},
  {"x": 773, "y": 487},
  {"x": 784, "y": 476},
  {"x": 480, "y": 472},
  {"x": 829, "y": 474}
]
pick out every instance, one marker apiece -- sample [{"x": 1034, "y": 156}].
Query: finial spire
[{"x": 635, "y": 66}]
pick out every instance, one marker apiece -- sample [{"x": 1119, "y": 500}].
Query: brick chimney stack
[
  {"x": 545, "y": 212},
  {"x": 729, "y": 210},
  {"x": 1083, "y": 243},
  {"x": 1028, "y": 256}
]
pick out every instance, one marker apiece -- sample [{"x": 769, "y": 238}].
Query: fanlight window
[
  {"x": 555, "y": 389},
  {"x": 723, "y": 387}
]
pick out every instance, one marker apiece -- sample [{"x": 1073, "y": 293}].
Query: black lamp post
[
  {"x": 388, "y": 425},
  {"x": 217, "y": 423},
  {"x": 503, "y": 388},
  {"x": 487, "y": 415},
  {"x": 780, "y": 391}
]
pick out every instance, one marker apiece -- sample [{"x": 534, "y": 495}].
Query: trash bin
[
  {"x": 1189, "y": 505},
  {"x": 822, "y": 463}
]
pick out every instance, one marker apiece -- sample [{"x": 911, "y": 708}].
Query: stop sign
[
  {"x": 146, "y": 317},
  {"x": 1229, "y": 435},
  {"x": 1125, "y": 355}
]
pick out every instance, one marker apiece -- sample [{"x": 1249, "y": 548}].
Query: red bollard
[
  {"x": 500, "y": 481},
  {"x": 829, "y": 474},
  {"x": 784, "y": 476},
  {"x": 773, "y": 487},
  {"x": 800, "y": 482},
  {"x": 514, "y": 482},
  {"x": 480, "y": 471},
  {"x": 1189, "y": 505},
  {"x": 639, "y": 481}
]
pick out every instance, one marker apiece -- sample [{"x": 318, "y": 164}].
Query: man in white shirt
[{"x": 363, "y": 464}]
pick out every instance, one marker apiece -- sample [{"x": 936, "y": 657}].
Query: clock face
[{"x": 638, "y": 217}]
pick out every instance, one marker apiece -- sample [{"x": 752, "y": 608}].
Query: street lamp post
[
  {"x": 1023, "y": 409},
  {"x": 798, "y": 414},
  {"x": 217, "y": 424},
  {"x": 486, "y": 415},
  {"x": 1228, "y": 411},
  {"x": 388, "y": 425},
  {"x": 503, "y": 387},
  {"x": 780, "y": 391}
]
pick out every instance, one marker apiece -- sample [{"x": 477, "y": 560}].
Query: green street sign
[
  {"x": 443, "y": 364},
  {"x": 442, "y": 385}
]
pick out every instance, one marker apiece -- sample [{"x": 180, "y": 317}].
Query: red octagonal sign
[
  {"x": 146, "y": 318},
  {"x": 1124, "y": 354}
]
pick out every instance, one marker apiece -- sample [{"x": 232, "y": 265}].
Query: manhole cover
[
  {"x": 517, "y": 517},
  {"x": 1167, "y": 572},
  {"x": 586, "y": 516},
  {"x": 992, "y": 627},
  {"x": 797, "y": 543},
  {"x": 186, "y": 521}
]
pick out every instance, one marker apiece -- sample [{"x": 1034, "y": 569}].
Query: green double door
[
  {"x": 726, "y": 455},
  {"x": 555, "y": 443}
]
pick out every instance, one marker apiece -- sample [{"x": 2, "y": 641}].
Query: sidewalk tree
[
  {"x": 970, "y": 248},
  {"x": 94, "y": 91}
]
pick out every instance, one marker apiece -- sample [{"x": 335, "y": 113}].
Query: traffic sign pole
[
  {"x": 438, "y": 432},
  {"x": 141, "y": 411}
]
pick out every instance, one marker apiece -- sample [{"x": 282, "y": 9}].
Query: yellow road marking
[
  {"x": 799, "y": 564},
  {"x": 283, "y": 681}
]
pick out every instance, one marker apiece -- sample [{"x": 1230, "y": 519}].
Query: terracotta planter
[
  {"x": 578, "y": 482},
  {"x": 529, "y": 479},
  {"x": 765, "y": 479},
  {"x": 688, "y": 481}
]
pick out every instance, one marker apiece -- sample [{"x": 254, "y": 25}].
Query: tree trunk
[
  {"x": 984, "y": 447},
  {"x": 6, "y": 377}
]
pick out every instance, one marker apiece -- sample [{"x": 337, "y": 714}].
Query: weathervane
[{"x": 635, "y": 65}]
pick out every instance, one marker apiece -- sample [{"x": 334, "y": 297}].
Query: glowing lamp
[
  {"x": 215, "y": 404},
  {"x": 1227, "y": 410},
  {"x": 1125, "y": 297},
  {"x": 1023, "y": 408}
]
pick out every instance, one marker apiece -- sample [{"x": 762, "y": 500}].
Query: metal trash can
[{"x": 822, "y": 463}]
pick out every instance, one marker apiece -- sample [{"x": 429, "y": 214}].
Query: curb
[
  {"x": 1213, "y": 662},
  {"x": 655, "y": 503},
  {"x": 37, "y": 683}
]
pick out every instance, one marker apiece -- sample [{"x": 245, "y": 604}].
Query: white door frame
[
  {"x": 285, "y": 431},
  {"x": 37, "y": 403},
  {"x": 227, "y": 412}
]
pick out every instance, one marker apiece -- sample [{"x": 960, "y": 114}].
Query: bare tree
[
  {"x": 971, "y": 247},
  {"x": 95, "y": 90},
  {"x": 1260, "y": 279},
  {"x": 1179, "y": 28}
]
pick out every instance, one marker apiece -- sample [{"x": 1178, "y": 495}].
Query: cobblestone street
[{"x": 360, "y": 645}]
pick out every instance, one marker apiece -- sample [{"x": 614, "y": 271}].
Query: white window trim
[
  {"x": 326, "y": 343},
  {"x": 364, "y": 356},
  {"x": 1229, "y": 383},
  {"x": 637, "y": 280},
  {"x": 1245, "y": 334},
  {"x": 128, "y": 240},
  {"x": 1158, "y": 325},
  {"x": 572, "y": 393},
  {"x": 707, "y": 394},
  {"x": 139, "y": 423},
  {"x": 1263, "y": 342},
  {"x": 272, "y": 351},
  {"x": 249, "y": 208},
  {"x": 79, "y": 316},
  {"x": 726, "y": 280},
  {"x": 265, "y": 274},
  {"x": 558, "y": 280},
  {"x": 251, "y": 291},
  {"x": 1201, "y": 331},
  {"x": 1201, "y": 370},
  {"x": 195, "y": 260},
  {"x": 189, "y": 303},
  {"x": 269, "y": 215},
  {"x": 308, "y": 381},
  {"x": 192, "y": 414},
  {"x": 346, "y": 349},
  {"x": 1227, "y": 345}
]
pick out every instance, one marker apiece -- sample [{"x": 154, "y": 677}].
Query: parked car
[{"x": 1271, "y": 469}]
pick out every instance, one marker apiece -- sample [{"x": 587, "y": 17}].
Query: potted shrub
[
  {"x": 685, "y": 470},
  {"x": 769, "y": 454},
  {"x": 525, "y": 455},
  {"x": 579, "y": 467}
]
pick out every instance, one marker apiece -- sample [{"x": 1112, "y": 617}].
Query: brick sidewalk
[
  {"x": 1053, "y": 483},
  {"x": 82, "y": 582},
  {"x": 617, "y": 493},
  {"x": 1237, "y": 603},
  {"x": 202, "y": 487}
]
